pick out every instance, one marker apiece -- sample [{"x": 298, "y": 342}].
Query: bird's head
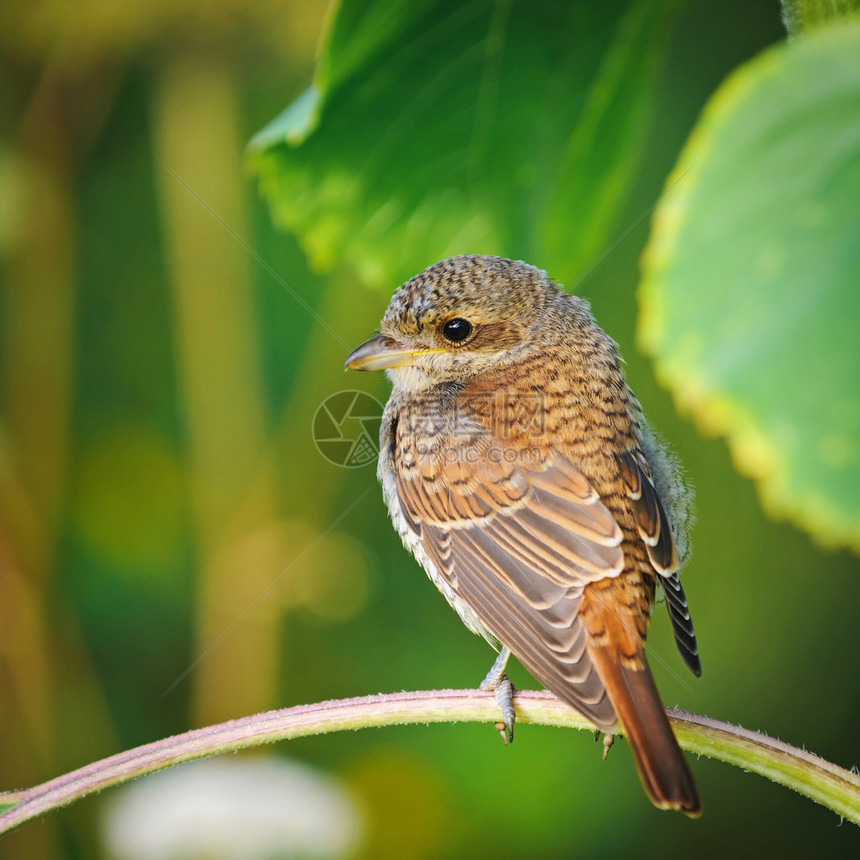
[{"x": 461, "y": 317}]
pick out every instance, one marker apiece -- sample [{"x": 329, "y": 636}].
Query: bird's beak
[{"x": 381, "y": 352}]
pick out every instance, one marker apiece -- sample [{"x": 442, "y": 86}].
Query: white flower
[{"x": 232, "y": 809}]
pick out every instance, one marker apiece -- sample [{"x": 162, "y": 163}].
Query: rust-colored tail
[{"x": 662, "y": 767}]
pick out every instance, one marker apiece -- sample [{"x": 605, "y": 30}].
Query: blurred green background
[{"x": 162, "y": 358}]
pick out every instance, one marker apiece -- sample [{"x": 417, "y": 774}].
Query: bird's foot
[
  {"x": 503, "y": 689},
  {"x": 608, "y": 740}
]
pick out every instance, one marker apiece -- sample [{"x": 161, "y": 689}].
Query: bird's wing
[
  {"x": 518, "y": 544},
  {"x": 682, "y": 623},
  {"x": 655, "y": 532},
  {"x": 648, "y": 513}
]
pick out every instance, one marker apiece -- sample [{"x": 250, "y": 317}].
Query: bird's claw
[
  {"x": 503, "y": 690},
  {"x": 504, "y": 694},
  {"x": 608, "y": 740}
]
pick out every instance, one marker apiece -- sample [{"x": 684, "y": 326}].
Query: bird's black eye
[{"x": 456, "y": 330}]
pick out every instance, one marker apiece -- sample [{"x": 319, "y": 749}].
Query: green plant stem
[{"x": 808, "y": 774}]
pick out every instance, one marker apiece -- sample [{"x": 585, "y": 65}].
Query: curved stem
[{"x": 808, "y": 774}]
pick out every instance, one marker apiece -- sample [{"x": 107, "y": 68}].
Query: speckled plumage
[{"x": 517, "y": 467}]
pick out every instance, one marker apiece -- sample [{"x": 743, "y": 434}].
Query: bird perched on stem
[{"x": 517, "y": 467}]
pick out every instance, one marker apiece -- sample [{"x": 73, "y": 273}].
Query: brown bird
[{"x": 517, "y": 467}]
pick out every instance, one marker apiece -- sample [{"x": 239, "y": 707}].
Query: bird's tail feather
[{"x": 662, "y": 767}]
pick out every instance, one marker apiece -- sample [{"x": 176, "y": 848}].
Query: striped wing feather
[
  {"x": 518, "y": 545},
  {"x": 653, "y": 527}
]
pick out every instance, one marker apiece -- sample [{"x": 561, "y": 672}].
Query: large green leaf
[
  {"x": 751, "y": 290},
  {"x": 442, "y": 126}
]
